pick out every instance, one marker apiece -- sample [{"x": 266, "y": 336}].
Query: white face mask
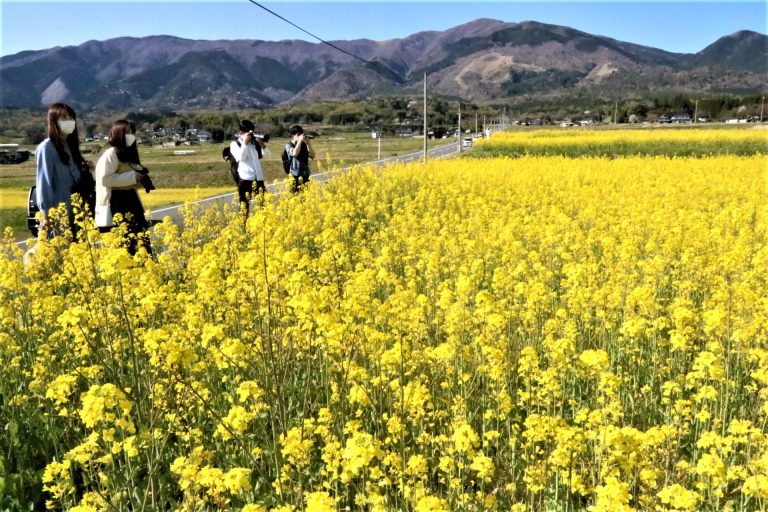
[
  {"x": 129, "y": 139},
  {"x": 66, "y": 126}
]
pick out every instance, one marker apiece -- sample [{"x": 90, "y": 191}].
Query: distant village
[
  {"x": 633, "y": 119},
  {"x": 170, "y": 136}
]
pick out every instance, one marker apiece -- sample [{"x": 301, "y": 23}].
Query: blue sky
[{"x": 685, "y": 27}]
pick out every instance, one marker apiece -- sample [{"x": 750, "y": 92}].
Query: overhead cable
[
  {"x": 374, "y": 64},
  {"x": 309, "y": 33}
]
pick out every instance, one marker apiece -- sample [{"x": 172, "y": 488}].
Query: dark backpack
[
  {"x": 226, "y": 154},
  {"x": 286, "y": 159},
  {"x": 32, "y": 210}
]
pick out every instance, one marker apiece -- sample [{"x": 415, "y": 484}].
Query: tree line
[{"x": 385, "y": 114}]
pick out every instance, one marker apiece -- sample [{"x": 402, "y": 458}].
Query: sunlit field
[
  {"x": 577, "y": 142},
  {"x": 201, "y": 166},
  {"x": 15, "y": 201},
  {"x": 540, "y": 333}
]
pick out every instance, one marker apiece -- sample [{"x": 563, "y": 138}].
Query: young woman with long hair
[
  {"x": 119, "y": 175},
  {"x": 61, "y": 169}
]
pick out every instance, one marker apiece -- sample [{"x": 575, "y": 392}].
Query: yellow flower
[
  {"x": 484, "y": 467},
  {"x": 612, "y": 495},
  {"x": 431, "y": 504},
  {"x": 61, "y": 388},
  {"x": 91, "y": 502},
  {"x": 359, "y": 451},
  {"x": 253, "y": 508},
  {"x": 417, "y": 465},
  {"x": 679, "y": 498},
  {"x": 464, "y": 438},
  {"x": 212, "y": 480},
  {"x": 358, "y": 395},
  {"x": 234, "y": 423},
  {"x": 394, "y": 427},
  {"x": 86, "y": 451},
  {"x": 284, "y": 508},
  {"x": 297, "y": 444},
  {"x": 249, "y": 389},
  {"x": 756, "y": 486},
  {"x": 594, "y": 361},
  {"x": 712, "y": 469},
  {"x": 129, "y": 446},
  {"x": 320, "y": 502},
  {"x": 107, "y": 404},
  {"x": 237, "y": 480},
  {"x": 57, "y": 479}
]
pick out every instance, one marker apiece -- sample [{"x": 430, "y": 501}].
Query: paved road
[{"x": 278, "y": 188}]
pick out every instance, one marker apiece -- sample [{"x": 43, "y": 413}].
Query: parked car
[
  {"x": 13, "y": 157},
  {"x": 467, "y": 143}
]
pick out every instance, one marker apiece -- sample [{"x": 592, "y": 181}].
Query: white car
[{"x": 466, "y": 143}]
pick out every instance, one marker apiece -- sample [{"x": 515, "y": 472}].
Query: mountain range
[{"x": 482, "y": 61}]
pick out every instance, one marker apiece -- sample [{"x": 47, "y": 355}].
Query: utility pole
[
  {"x": 762, "y": 107},
  {"x": 615, "y": 112},
  {"x": 425, "y": 117},
  {"x": 696, "y": 112},
  {"x": 379, "y": 137},
  {"x": 459, "y": 129}
]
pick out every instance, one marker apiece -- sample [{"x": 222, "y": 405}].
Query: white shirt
[
  {"x": 248, "y": 165},
  {"x": 111, "y": 173}
]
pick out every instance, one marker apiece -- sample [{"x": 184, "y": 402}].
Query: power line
[
  {"x": 342, "y": 50},
  {"x": 309, "y": 33}
]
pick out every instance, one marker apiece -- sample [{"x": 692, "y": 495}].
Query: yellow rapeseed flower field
[
  {"x": 576, "y": 142},
  {"x": 157, "y": 198},
  {"x": 527, "y": 334},
  {"x": 581, "y": 137}
]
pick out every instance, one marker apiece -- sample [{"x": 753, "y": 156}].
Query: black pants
[
  {"x": 245, "y": 189},
  {"x": 127, "y": 203},
  {"x": 304, "y": 178}
]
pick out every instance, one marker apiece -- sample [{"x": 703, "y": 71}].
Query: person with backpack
[
  {"x": 245, "y": 152},
  {"x": 61, "y": 170},
  {"x": 298, "y": 152}
]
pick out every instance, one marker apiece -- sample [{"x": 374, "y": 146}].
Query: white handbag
[{"x": 103, "y": 216}]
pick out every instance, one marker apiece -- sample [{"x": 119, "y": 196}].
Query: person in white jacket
[
  {"x": 119, "y": 175},
  {"x": 247, "y": 151}
]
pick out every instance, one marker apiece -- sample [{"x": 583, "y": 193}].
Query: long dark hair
[
  {"x": 125, "y": 153},
  {"x": 55, "y": 112}
]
